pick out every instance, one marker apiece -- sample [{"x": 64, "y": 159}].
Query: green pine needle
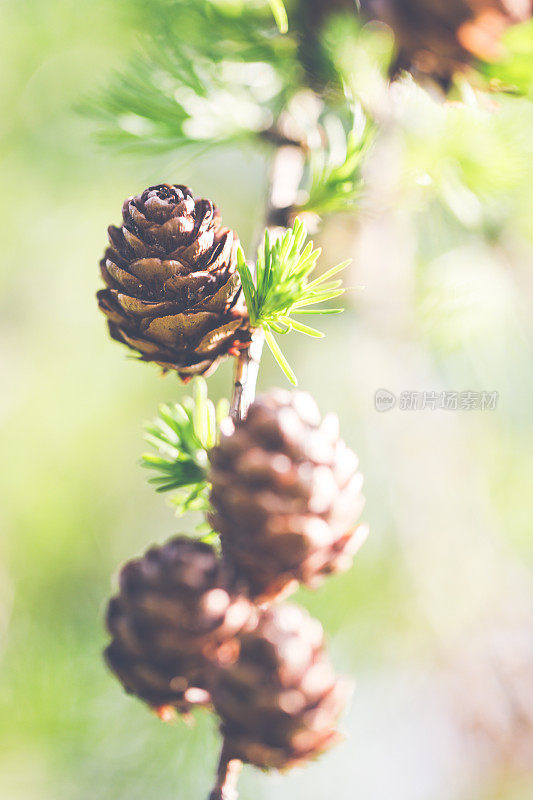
[
  {"x": 280, "y": 358},
  {"x": 282, "y": 288},
  {"x": 280, "y": 15},
  {"x": 182, "y": 435}
]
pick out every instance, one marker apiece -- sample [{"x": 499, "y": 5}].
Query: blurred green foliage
[
  {"x": 207, "y": 72},
  {"x": 513, "y": 71}
]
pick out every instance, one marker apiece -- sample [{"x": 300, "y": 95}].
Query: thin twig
[
  {"x": 246, "y": 372},
  {"x": 228, "y": 773},
  {"x": 285, "y": 176}
]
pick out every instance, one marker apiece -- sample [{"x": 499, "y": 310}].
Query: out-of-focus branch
[{"x": 228, "y": 772}]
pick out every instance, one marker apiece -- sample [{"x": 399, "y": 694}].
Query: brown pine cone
[
  {"x": 279, "y": 701},
  {"x": 438, "y": 38},
  {"x": 286, "y": 495},
  {"x": 173, "y": 288},
  {"x": 175, "y": 615}
]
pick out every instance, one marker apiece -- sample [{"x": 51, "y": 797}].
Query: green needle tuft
[
  {"x": 182, "y": 435},
  {"x": 282, "y": 288}
]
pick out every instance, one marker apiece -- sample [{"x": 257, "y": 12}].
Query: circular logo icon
[{"x": 384, "y": 400}]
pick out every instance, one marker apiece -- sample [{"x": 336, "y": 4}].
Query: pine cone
[
  {"x": 279, "y": 701},
  {"x": 174, "y": 615},
  {"x": 173, "y": 287},
  {"x": 286, "y": 494},
  {"x": 438, "y": 38}
]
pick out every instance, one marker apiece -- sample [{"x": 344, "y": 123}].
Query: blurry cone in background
[
  {"x": 433, "y": 37},
  {"x": 438, "y": 38}
]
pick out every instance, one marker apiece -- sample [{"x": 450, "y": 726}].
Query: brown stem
[{"x": 228, "y": 772}]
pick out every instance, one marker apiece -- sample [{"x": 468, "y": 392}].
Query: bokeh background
[{"x": 435, "y": 621}]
